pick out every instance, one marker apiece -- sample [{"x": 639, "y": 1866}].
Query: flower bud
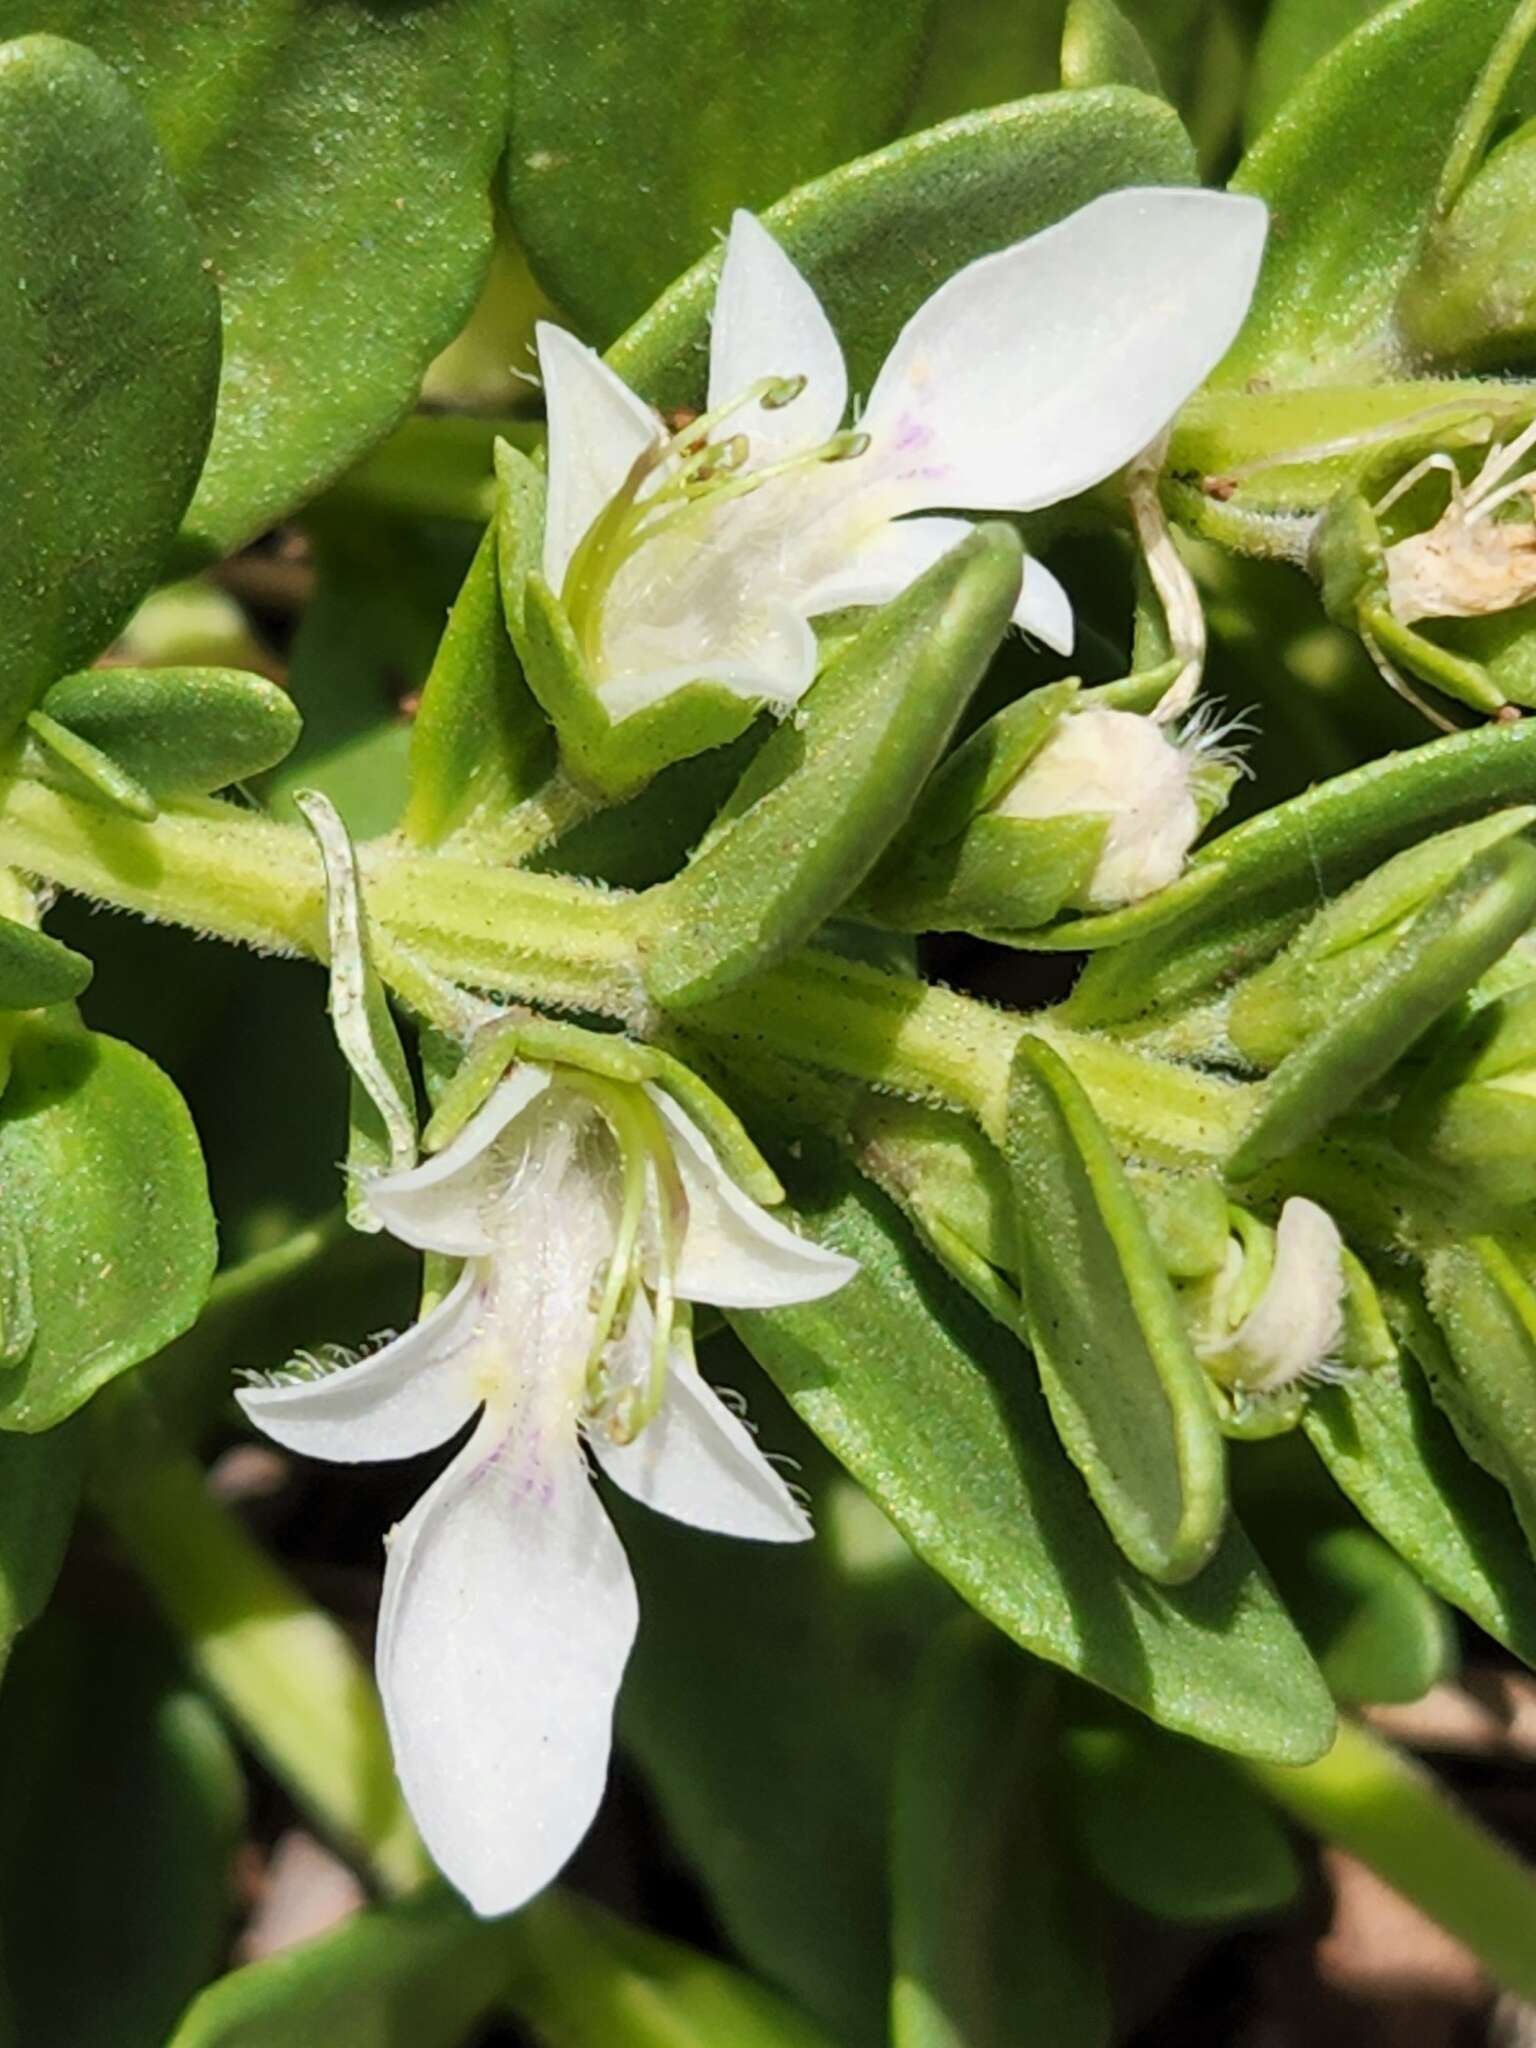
[{"x": 1125, "y": 769}]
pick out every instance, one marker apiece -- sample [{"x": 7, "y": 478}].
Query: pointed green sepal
[
  {"x": 823, "y": 798},
  {"x": 1124, "y": 1387},
  {"x": 36, "y": 971}
]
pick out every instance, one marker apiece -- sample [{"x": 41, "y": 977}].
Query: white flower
[
  {"x": 585, "y": 1212},
  {"x": 1293, "y": 1331},
  {"x": 1028, "y": 377},
  {"x": 1128, "y": 769}
]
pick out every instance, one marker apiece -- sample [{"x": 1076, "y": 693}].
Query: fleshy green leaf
[
  {"x": 121, "y": 1801},
  {"x": 1173, "y": 1827},
  {"x": 1395, "y": 1456},
  {"x": 1472, "y": 296},
  {"x": 997, "y": 1940},
  {"x": 1486, "y": 1307},
  {"x": 1447, "y": 947},
  {"x": 877, "y": 237},
  {"x": 610, "y": 211},
  {"x": 104, "y": 1182},
  {"x": 338, "y": 162},
  {"x": 1355, "y": 169},
  {"x": 420, "y": 1971},
  {"x": 822, "y": 799},
  {"x": 1296, "y": 35},
  {"x": 1124, "y": 1387},
  {"x": 480, "y": 742},
  {"x": 36, "y": 971},
  {"x": 930, "y": 1405},
  {"x": 110, "y": 339},
  {"x": 1243, "y": 896},
  {"x": 178, "y": 731}
]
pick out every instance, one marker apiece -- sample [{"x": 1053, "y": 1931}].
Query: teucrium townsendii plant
[{"x": 728, "y": 707}]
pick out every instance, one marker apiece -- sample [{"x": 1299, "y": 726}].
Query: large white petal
[
  {"x": 885, "y": 562},
  {"x": 507, "y": 1619},
  {"x": 697, "y": 1463},
  {"x": 597, "y": 427},
  {"x": 411, "y": 1395},
  {"x": 763, "y": 652},
  {"x": 769, "y": 323},
  {"x": 1038, "y": 371},
  {"x": 734, "y": 1254},
  {"x": 440, "y": 1205}
]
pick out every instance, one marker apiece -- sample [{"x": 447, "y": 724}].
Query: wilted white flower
[
  {"x": 1031, "y": 375},
  {"x": 587, "y": 1212},
  {"x": 1293, "y": 1331}
]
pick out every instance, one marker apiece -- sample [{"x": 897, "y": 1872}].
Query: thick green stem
[
  {"x": 1373, "y": 1801},
  {"x": 283, "y": 1670},
  {"x": 574, "y": 946}
]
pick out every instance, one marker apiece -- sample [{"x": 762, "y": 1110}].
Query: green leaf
[
  {"x": 932, "y": 1408},
  {"x": 1295, "y": 36},
  {"x": 1449, "y": 945},
  {"x": 1395, "y": 1456},
  {"x": 39, "y": 1492},
  {"x": 1472, "y": 296},
  {"x": 995, "y": 1931},
  {"x": 1377, "y": 1631},
  {"x": 1125, "y": 1389},
  {"x": 708, "y": 105},
  {"x": 36, "y": 971},
  {"x": 110, "y": 339},
  {"x": 1486, "y": 1307},
  {"x": 760, "y": 1706},
  {"x": 1100, "y": 47},
  {"x": 480, "y": 743},
  {"x": 338, "y": 161},
  {"x": 590, "y": 1980},
  {"x": 1371, "y": 147},
  {"x": 1243, "y": 896},
  {"x": 878, "y": 236},
  {"x": 824, "y": 796},
  {"x": 178, "y": 731},
  {"x": 103, "y": 1179},
  {"x": 414, "y": 1974},
  {"x": 121, "y": 1801},
  {"x": 1174, "y": 1828}
]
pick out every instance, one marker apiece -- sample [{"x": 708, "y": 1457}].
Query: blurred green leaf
[
  {"x": 824, "y": 795},
  {"x": 1373, "y": 145},
  {"x": 1377, "y": 1631},
  {"x": 1125, "y": 1390},
  {"x": 877, "y": 237},
  {"x": 1173, "y": 1827},
  {"x": 1390, "y": 1450},
  {"x": 178, "y": 731},
  {"x": 589, "y": 1980},
  {"x": 414, "y": 1974},
  {"x": 338, "y": 162},
  {"x": 39, "y": 1492},
  {"x": 102, "y": 1176},
  {"x": 610, "y": 210},
  {"x": 110, "y": 339},
  {"x": 760, "y": 1704},
  {"x": 997, "y": 1940},
  {"x": 931, "y": 1407},
  {"x": 986, "y": 52},
  {"x": 120, "y": 1808},
  {"x": 1100, "y": 47}
]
